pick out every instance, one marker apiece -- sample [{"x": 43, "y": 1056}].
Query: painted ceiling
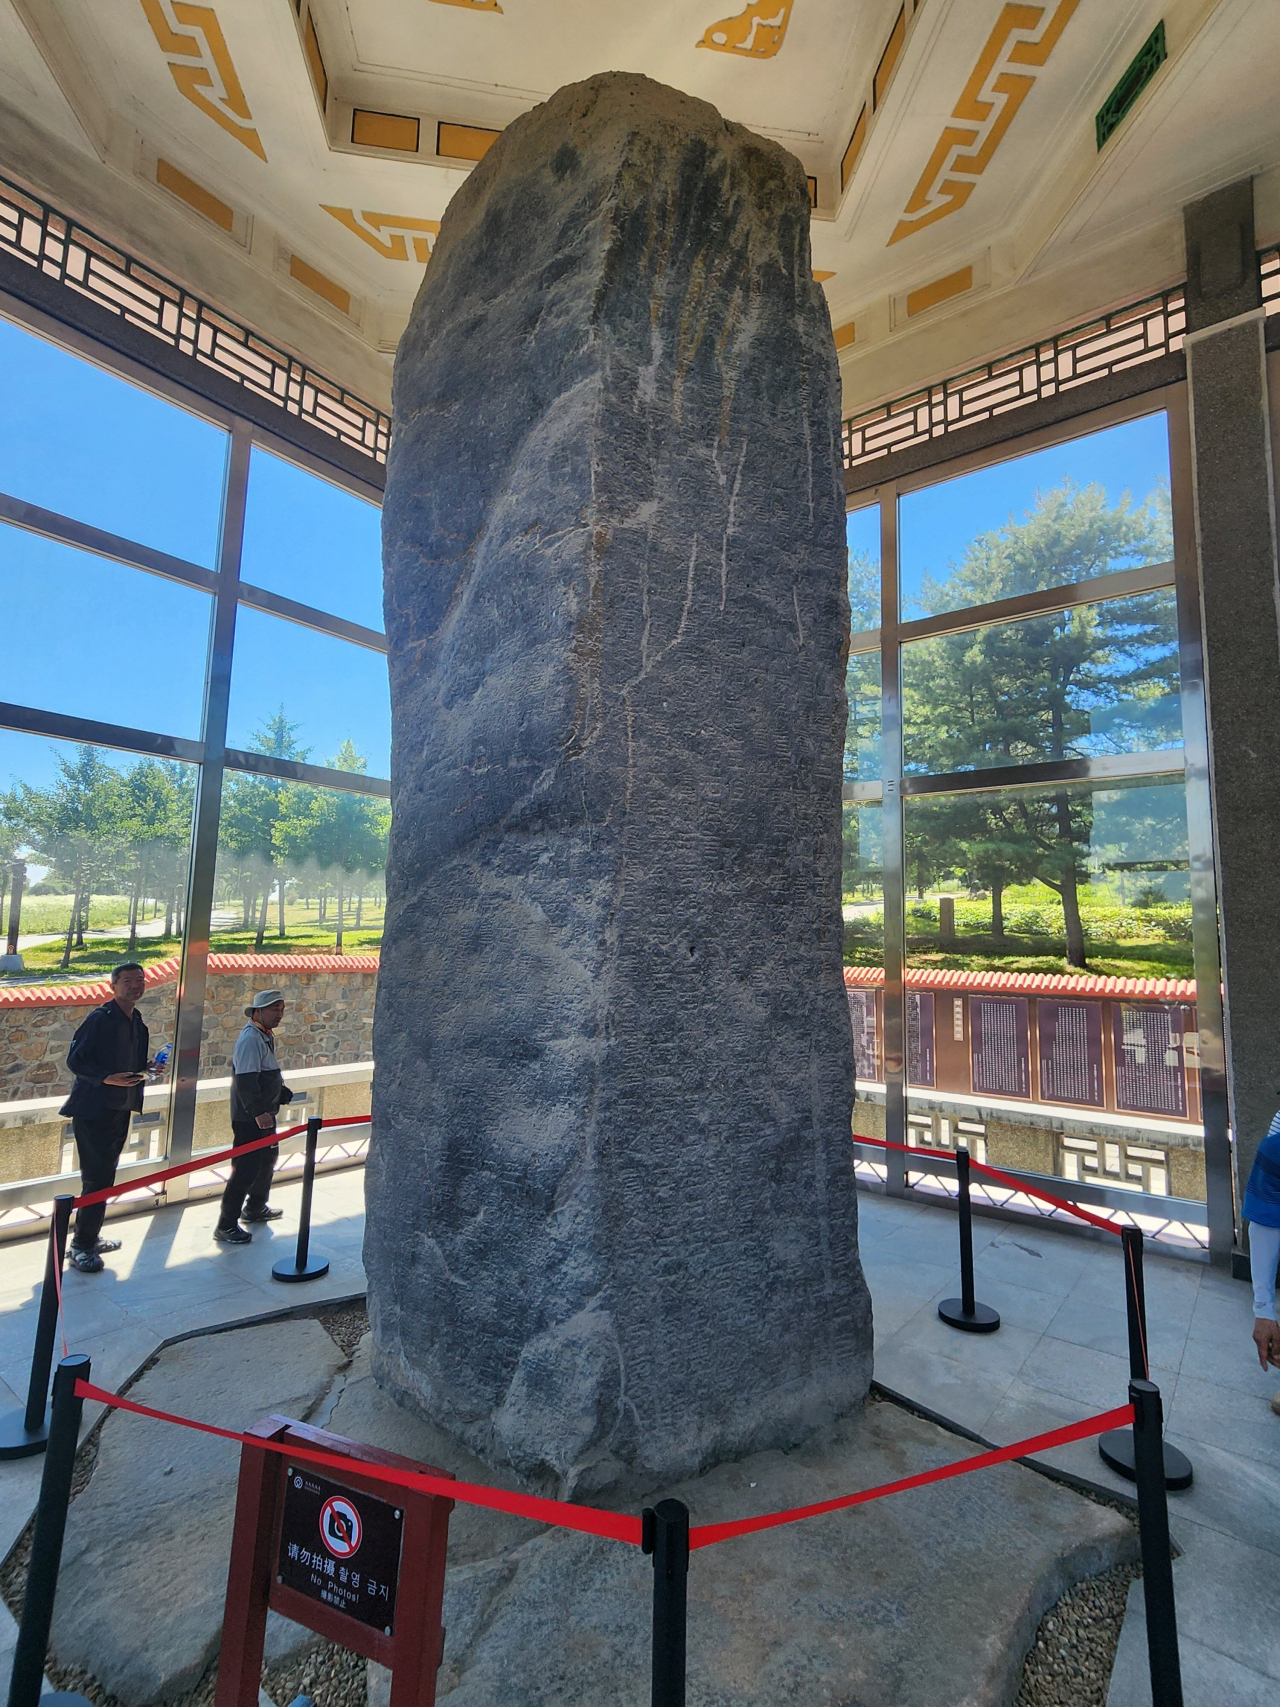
[{"x": 308, "y": 148}]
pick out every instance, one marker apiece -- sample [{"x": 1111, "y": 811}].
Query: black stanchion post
[
  {"x": 964, "y": 1312},
  {"x": 666, "y": 1536},
  {"x": 304, "y": 1266},
  {"x": 27, "y": 1678},
  {"x": 25, "y": 1432},
  {"x": 1116, "y": 1446},
  {"x": 1135, "y": 1303},
  {"x": 1157, "y": 1561}
]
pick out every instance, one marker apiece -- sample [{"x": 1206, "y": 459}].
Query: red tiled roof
[
  {"x": 166, "y": 972},
  {"x": 1031, "y": 983}
]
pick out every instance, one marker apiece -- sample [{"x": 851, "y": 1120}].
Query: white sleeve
[{"x": 1264, "y": 1254}]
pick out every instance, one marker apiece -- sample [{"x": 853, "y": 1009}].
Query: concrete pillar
[{"x": 1234, "y": 495}]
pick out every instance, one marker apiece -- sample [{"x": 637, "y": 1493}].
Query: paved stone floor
[{"x": 1059, "y": 1356}]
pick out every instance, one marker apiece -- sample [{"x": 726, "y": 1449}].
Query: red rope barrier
[
  {"x": 996, "y": 1174},
  {"x": 213, "y": 1161},
  {"x": 614, "y": 1526},
  {"x": 707, "y": 1534},
  {"x": 617, "y": 1526}
]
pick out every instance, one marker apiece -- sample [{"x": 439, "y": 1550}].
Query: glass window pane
[
  {"x": 92, "y": 638},
  {"x": 862, "y": 732},
  {"x": 89, "y": 445},
  {"x": 862, "y": 529},
  {"x": 104, "y": 841},
  {"x": 312, "y": 541},
  {"x": 333, "y": 695},
  {"x": 1089, "y": 507},
  {"x": 864, "y": 964},
  {"x": 1075, "y": 884},
  {"x": 300, "y": 870},
  {"x": 1081, "y": 683}
]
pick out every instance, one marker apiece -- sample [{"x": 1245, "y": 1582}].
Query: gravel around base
[
  {"x": 346, "y": 1326},
  {"x": 1070, "y": 1661},
  {"x": 330, "y": 1675}
]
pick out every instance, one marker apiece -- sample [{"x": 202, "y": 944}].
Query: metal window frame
[
  {"x": 1190, "y": 762},
  {"x": 210, "y": 755}
]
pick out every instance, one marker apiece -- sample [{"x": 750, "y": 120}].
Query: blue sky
[
  {"x": 332, "y": 689},
  {"x": 937, "y": 523},
  {"x": 312, "y": 541},
  {"x": 96, "y": 639},
  {"x": 94, "y": 447}
]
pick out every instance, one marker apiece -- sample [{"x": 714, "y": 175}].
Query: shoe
[
  {"x": 1275, "y": 1401},
  {"x": 103, "y": 1246},
  {"x": 266, "y": 1213},
  {"x": 88, "y": 1262},
  {"x": 228, "y": 1236}
]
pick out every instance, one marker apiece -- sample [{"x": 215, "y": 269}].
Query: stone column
[
  {"x": 611, "y": 1229},
  {"x": 1233, "y": 479}
]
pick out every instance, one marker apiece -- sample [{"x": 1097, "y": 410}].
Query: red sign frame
[{"x": 414, "y": 1651}]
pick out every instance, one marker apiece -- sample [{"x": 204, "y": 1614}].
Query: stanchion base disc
[
  {"x": 984, "y": 1319},
  {"x": 15, "y": 1442},
  {"x": 287, "y": 1269},
  {"x": 1115, "y": 1448}
]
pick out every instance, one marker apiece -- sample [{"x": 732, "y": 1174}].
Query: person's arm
[
  {"x": 1264, "y": 1254},
  {"x": 84, "y": 1058}
]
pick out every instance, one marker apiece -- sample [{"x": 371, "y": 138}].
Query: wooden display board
[{"x": 357, "y": 1561}]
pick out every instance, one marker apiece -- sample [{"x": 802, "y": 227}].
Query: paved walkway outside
[{"x": 1059, "y": 1356}]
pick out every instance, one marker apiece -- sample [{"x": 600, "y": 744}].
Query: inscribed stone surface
[{"x": 611, "y": 1231}]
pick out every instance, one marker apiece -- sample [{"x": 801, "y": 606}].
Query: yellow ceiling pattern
[
  {"x": 1023, "y": 36},
  {"x": 191, "y": 39},
  {"x": 758, "y": 31},
  {"x": 392, "y": 235},
  {"x": 373, "y": 111}
]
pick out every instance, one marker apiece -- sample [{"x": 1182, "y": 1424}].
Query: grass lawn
[
  {"x": 1119, "y": 959},
  {"x": 97, "y": 958}
]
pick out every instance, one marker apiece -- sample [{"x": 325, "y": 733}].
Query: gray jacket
[{"x": 256, "y": 1085}]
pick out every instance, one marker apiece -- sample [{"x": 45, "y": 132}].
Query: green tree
[
  {"x": 156, "y": 803},
  {"x": 1095, "y": 678},
  {"x": 78, "y": 827},
  {"x": 862, "y": 673},
  {"x": 251, "y": 809},
  {"x": 340, "y": 833}
]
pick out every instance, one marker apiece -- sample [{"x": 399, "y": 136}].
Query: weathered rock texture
[
  {"x": 612, "y": 1221},
  {"x": 144, "y": 1565}
]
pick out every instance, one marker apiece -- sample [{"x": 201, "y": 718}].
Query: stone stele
[{"x": 612, "y": 1224}]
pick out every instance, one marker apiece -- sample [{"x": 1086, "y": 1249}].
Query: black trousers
[
  {"x": 99, "y": 1141},
  {"x": 250, "y": 1175}
]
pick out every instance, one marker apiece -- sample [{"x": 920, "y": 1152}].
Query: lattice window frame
[
  {"x": 1142, "y": 332},
  {"x": 68, "y": 252}
]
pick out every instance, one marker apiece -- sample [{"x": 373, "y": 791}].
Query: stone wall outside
[{"x": 328, "y": 1020}]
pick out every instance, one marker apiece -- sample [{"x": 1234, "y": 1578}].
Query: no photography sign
[{"x": 341, "y": 1547}]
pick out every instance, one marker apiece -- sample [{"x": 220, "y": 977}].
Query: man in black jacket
[
  {"x": 109, "y": 1058},
  {"x": 257, "y": 1090}
]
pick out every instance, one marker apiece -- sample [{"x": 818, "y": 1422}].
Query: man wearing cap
[{"x": 257, "y": 1091}]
